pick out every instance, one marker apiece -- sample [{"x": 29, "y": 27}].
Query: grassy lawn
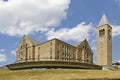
[{"x": 59, "y": 74}]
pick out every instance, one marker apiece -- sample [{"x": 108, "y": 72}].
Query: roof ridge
[
  {"x": 79, "y": 42},
  {"x": 34, "y": 41}
]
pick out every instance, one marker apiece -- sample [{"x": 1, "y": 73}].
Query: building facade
[
  {"x": 104, "y": 43},
  {"x": 53, "y": 50}
]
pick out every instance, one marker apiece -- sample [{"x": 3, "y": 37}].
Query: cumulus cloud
[
  {"x": 3, "y": 58},
  {"x": 78, "y": 33},
  {"x": 115, "y": 30},
  {"x": 18, "y": 17}
]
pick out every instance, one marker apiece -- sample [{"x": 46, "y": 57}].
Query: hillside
[{"x": 59, "y": 74}]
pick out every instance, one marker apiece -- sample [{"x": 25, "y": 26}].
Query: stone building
[
  {"x": 53, "y": 50},
  {"x": 104, "y": 43}
]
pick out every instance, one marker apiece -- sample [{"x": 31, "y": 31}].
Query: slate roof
[
  {"x": 103, "y": 20},
  {"x": 35, "y": 42},
  {"x": 78, "y": 43}
]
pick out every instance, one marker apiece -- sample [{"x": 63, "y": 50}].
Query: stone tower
[{"x": 104, "y": 43}]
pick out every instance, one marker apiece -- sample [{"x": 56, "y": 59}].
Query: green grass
[{"x": 59, "y": 74}]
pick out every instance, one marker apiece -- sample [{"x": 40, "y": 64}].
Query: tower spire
[
  {"x": 104, "y": 43},
  {"x": 103, "y": 20}
]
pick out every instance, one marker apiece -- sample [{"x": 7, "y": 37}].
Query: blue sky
[{"x": 69, "y": 20}]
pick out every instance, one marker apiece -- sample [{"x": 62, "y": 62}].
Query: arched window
[
  {"x": 101, "y": 32},
  {"x": 38, "y": 53}
]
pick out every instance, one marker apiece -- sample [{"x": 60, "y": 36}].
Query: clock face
[{"x": 101, "y": 38}]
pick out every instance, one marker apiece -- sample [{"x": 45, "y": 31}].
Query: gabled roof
[
  {"x": 81, "y": 43},
  {"x": 103, "y": 20},
  {"x": 77, "y": 44},
  {"x": 35, "y": 42}
]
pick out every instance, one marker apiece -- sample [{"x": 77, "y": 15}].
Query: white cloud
[
  {"x": 3, "y": 58},
  {"x": 13, "y": 52},
  {"x": 115, "y": 30},
  {"x": 78, "y": 33},
  {"x": 18, "y": 17},
  {"x": 2, "y": 50}
]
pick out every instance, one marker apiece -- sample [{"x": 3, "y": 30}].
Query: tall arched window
[
  {"x": 101, "y": 32},
  {"x": 38, "y": 53}
]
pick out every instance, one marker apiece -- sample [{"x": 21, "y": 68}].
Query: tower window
[
  {"x": 38, "y": 53},
  {"x": 51, "y": 57},
  {"x": 109, "y": 31},
  {"x": 102, "y": 32},
  {"x": 50, "y": 43},
  {"x": 109, "y": 35},
  {"x": 38, "y": 50}
]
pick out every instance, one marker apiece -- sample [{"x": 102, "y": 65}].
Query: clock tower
[{"x": 104, "y": 43}]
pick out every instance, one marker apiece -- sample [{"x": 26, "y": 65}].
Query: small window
[
  {"x": 58, "y": 43},
  {"x": 50, "y": 52},
  {"x": 26, "y": 44},
  {"x": 102, "y": 32},
  {"x": 109, "y": 37},
  {"x": 38, "y": 50},
  {"x": 58, "y": 52},
  {"x": 21, "y": 47},
  {"x": 29, "y": 57},
  {"x": 83, "y": 47},
  {"x": 38, "y": 57},
  {"x": 21, "y": 58},
  {"x": 50, "y": 43},
  {"x": 51, "y": 57}
]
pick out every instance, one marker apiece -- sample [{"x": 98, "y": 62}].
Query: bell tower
[{"x": 104, "y": 43}]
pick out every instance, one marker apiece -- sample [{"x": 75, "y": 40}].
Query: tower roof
[{"x": 103, "y": 20}]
